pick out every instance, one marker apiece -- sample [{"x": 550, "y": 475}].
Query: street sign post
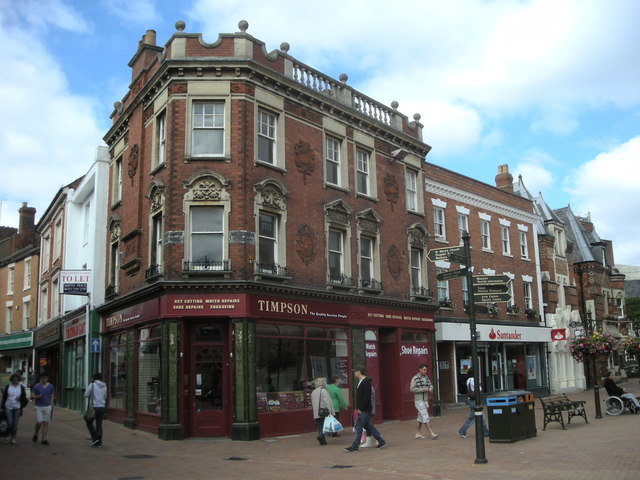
[
  {"x": 490, "y": 288},
  {"x": 455, "y": 258},
  {"x": 438, "y": 254},
  {"x": 491, "y": 297},
  {"x": 451, "y": 274},
  {"x": 485, "y": 279}
]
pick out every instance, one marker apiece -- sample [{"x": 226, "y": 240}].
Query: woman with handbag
[
  {"x": 14, "y": 399},
  {"x": 322, "y": 407},
  {"x": 96, "y": 393}
]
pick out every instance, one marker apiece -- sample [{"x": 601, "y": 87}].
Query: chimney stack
[
  {"x": 504, "y": 180},
  {"x": 27, "y": 229}
]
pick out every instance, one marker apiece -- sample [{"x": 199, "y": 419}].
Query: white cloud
[
  {"x": 609, "y": 188},
  {"x": 137, "y": 11},
  {"x": 41, "y": 15},
  {"x": 48, "y": 135}
]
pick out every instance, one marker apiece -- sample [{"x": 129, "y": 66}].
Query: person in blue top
[{"x": 44, "y": 394}]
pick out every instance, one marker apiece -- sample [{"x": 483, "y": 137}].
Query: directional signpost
[
  {"x": 491, "y": 288},
  {"x": 451, "y": 274},
  {"x": 438, "y": 254},
  {"x": 485, "y": 279}
]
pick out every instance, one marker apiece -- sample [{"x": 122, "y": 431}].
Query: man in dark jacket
[
  {"x": 364, "y": 408},
  {"x": 615, "y": 391}
]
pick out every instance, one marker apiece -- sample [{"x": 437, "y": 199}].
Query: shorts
[
  {"x": 423, "y": 413},
  {"x": 43, "y": 414}
]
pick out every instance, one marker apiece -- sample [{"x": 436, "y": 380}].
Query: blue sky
[{"x": 549, "y": 87}]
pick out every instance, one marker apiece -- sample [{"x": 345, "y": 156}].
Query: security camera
[{"x": 398, "y": 154}]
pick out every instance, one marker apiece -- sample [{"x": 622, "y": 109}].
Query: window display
[{"x": 149, "y": 370}]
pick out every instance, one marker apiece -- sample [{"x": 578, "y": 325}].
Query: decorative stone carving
[
  {"x": 132, "y": 162},
  {"x": 417, "y": 235},
  {"x": 368, "y": 221},
  {"x": 304, "y": 159},
  {"x": 394, "y": 262},
  {"x": 391, "y": 189},
  {"x": 306, "y": 243},
  {"x": 271, "y": 194},
  {"x": 338, "y": 212},
  {"x": 206, "y": 186}
]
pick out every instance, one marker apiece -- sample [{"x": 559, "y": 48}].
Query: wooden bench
[{"x": 555, "y": 405}]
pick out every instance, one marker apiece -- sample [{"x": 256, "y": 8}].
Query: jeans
[
  {"x": 631, "y": 398},
  {"x": 364, "y": 421},
  {"x": 96, "y": 432},
  {"x": 12, "y": 415},
  {"x": 471, "y": 420}
]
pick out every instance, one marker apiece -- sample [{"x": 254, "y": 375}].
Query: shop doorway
[{"x": 208, "y": 385}]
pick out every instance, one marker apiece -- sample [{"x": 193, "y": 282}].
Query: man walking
[
  {"x": 364, "y": 407},
  {"x": 421, "y": 387},
  {"x": 473, "y": 395},
  {"x": 44, "y": 394}
]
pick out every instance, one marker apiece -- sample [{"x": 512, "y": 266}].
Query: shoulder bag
[
  {"x": 322, "y": 411},
  {"x": 90, "y": 413}
]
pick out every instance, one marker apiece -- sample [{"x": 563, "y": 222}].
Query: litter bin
[{"x": 511, "y": 416}]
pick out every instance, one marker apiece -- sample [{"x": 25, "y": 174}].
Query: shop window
[
  {"x": 149, "y": 370},
  {"x": 117, "y": 385},
  {"x": 289, "y": 358}
]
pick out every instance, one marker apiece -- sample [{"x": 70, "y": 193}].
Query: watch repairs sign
[{"x": 75, "y": 282}]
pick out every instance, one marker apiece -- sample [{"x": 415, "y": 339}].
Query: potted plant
[
  {"x": 513, "y": 309},
  {"x": 530, "y": 312},
  {"x": 447, "y": 303},
  {"x": 596, "y": 344},
  {"x": 493, "y": 310}
]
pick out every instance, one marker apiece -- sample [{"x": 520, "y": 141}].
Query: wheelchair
[{"x": 616, "y": 405}]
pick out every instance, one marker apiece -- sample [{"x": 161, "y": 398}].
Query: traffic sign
[
  {"x": 491, "y": 297},
  {"x": 485, "y": 279},
  {"x": 437, "y": 254},
  {"x": 451, "y": 274},
  {"x": 95, "y": 345},
  {"x": 490, "y": 288}
]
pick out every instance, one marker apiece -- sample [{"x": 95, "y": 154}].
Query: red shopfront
[{"x": 296, "y": 341}]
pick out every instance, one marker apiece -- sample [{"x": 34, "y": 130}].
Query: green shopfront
[{"x": 15, "y": 354}]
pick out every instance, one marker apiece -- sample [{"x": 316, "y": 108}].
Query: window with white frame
[
  {"x": 155, "y": 255},
  {"x": 411, "y": 178},
  {"x": 367, "y": 274},
  {"x": 336, "y": 255},
  {"x": 559, "y": 246},
  {"x": 485, "y": 235},
  {"x": 206, "y": 228},
  {"x": 8, "y": 317},
  {"x": 512, "y": 301},
  {"x": 114, "y": 266},
  {"x": 528, "y": 303},
  {"x": 25, "y": 314},
  {"x": 45, "y": 252},
  {"x": 43, "y": 302},
  {"x": 524, "y": 248},
  {"x": 416, "y": 271},
  {"x": 332, "y": 161},
  {"x": 116, "y": 187},
  {"x": 439, "y": 230},
  {"x": 443, "y": 287},
  {"x": 463, "y": 225},
  {"x": 620, "y": 306},
  {"x": 55, "y": 297},
  {"x": 506, "y": 243},
  {"x": 208, "y": 129},
  {"x": 267, "y": 124},
  {"x": 267, "y": 242},
  {"x": 161, "y": 140},
  {"x": 27, "y": 274},
  {"x": 362, "y": 172},
  {"x": 465, "y": 292},
  {"x": 57, "y": 233},
  {"x": 11, "y": 276}
]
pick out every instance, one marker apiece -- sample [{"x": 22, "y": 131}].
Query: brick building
[
  {"x": 512, "y": 338},
  {"x": 262, "y": 218},
  {"x": 18, "y": 294}
]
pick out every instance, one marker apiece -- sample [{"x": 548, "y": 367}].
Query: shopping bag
[{"x": 331, "y": 425}]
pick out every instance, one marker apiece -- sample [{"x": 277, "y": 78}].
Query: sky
[{"x": 549, "y": 87}]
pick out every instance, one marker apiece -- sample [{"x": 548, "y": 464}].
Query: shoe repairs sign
[{"x": 75, "y": 282}]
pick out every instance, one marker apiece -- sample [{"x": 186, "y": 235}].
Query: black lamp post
[
  {"x": 477, "y": 409},
  {"x": 596, "y": 388}
]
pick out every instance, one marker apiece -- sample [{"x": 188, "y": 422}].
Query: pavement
[{"x": 602, "y": 448}]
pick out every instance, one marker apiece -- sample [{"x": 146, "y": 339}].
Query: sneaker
[
  {"x": 44, "y": 442},
  {"x": 35, "y": 438},
  {"x": 13, "y": 440},
  {"x": 381, "y": 445},
  {"x": 350, "y": 449},
  {"x": 462, "y": 435},
  {"x": 95, "y": 443}
]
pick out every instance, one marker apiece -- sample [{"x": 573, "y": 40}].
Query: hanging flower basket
[
  {"x": 447, "y": 303},
  {"x": 596, "y": 344},
  {"x": 530, "y": 312},
  {"x": 493, "y": 310},
  {"x": 513, "y": 309},
  {"x": 631, "y": 346}
]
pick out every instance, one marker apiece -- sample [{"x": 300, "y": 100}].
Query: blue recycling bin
[{"x": 511, "y": 416}]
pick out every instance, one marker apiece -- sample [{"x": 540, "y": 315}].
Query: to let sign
[{"x": 75, "y": 282}]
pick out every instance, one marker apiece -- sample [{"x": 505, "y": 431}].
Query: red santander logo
[{"x": 492, "y": 335}]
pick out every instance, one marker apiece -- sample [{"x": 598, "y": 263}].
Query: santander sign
[{"x": 510, "y": 334}]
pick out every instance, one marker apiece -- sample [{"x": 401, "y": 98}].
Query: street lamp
[{"x": 590, "y": 328}]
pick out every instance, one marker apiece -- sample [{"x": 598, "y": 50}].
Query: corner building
[{"x": 261, "y": 220}]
